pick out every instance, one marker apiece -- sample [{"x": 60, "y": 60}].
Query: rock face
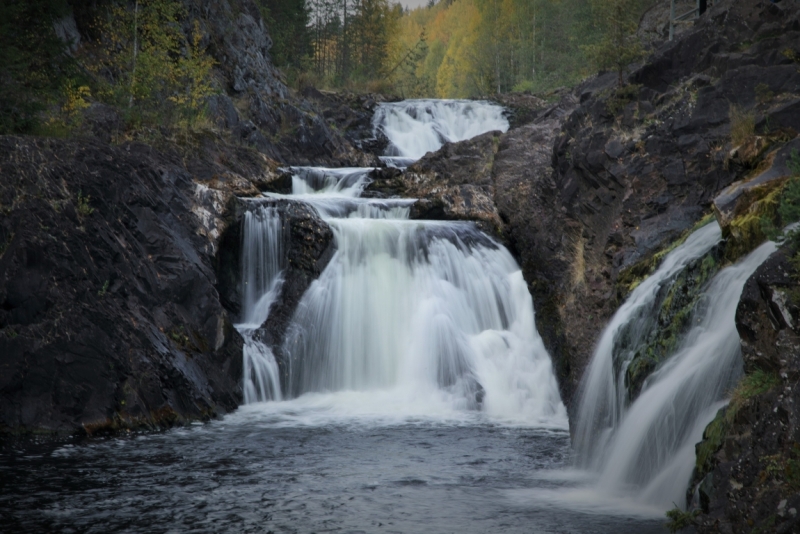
[
  {"x": 748, "y": 467},
  {"x": 308, "y": 245},
  {"x": 109, "y": 318},
  {"x": 634, "y": 168},
  {"x": 454, "y": 183}
]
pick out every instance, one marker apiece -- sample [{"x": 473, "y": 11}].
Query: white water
[
  {"x": 416, "y": 127},
  {"x": 603, "y": 395},
  {"x": 646, "y": 453},
  {"x": 262, "y": 265},
  {"x": 412, "y": 319}
]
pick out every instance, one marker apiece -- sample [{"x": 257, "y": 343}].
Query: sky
[{"x": 413, "y": 3}]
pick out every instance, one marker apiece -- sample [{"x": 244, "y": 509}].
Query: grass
[
  {"x": 679, "y": 520},
  {"x": 743, "y": 125},
  {"x": 578, "y": 267}
]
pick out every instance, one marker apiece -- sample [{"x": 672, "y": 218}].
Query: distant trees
[
  {"x": 33, "y": 62},
  {"x": 619, "y": 45},
  {"x": 288, "y": 23},
  {"x": 480, "y": 47},
  {"x": 350, "y": 38}
]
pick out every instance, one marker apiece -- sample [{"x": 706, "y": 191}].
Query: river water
[
  {"x": 420, "y": 397},
  {"x": 302, "y": 467}
]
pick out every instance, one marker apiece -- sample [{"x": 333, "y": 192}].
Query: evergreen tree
[
  {"x": 620, "y": 45},
  {"x": 288, "y": 25},
  {"x": 33, "y": 61}
]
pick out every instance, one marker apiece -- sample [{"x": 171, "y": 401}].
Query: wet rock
[
  {"x": 736, "y": 199},
  {"x": 454, "y": 183},
  {"x": 309, "y": 246},
  {"x": 746, "y": 476},
  {"x": 110, "y": 319}
]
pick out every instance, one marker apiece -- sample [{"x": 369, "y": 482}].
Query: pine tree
[
  {"x": 619, "y": 46},
  {"x": 33, "y": 61}
]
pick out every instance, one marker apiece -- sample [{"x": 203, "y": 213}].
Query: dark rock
[
  {"x": 454, "y": 183},
  {"x": 103, "y": 121},
  {"x": 309, "y": 246},
  {"x": 748, "y": 480},
  {"x": 110, "y": 316},
  {"x": 223, "y": 112}
]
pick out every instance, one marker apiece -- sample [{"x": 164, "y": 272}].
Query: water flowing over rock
[
  {"x": 427, "y": 309},
  {"x": 645, "y": 450},
  {"x": 416, "y": 127}
]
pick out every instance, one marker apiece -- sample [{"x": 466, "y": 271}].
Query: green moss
[
  {"x": 749, "y": 230},
  {"x": 752, "y": 385},
  {"x": 679, "y": 520},
  {"x": 630, "y": 278},
  {"x": 674, "y": 319},
  {"x": 713, "y": 438}
]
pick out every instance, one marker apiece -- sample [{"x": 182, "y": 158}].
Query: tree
[
  {"x": 33, "y": 65},
  {"x": 150, "y": 65},
  {"x": 288, "y": 24},
  {"x": 619, "y": 46}
]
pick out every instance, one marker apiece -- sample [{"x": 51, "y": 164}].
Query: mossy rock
[
  {"x": 756, "y": 224},
  {"x": 676, "y": 309}
]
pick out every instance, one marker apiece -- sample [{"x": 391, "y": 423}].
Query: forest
[
  {"x": 450, "y": 48},
  {"x": 150, "y": 57}
]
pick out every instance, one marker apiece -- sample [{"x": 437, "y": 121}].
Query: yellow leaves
[
  {"x": 76, "y": 98},
  {"x": 153, "y": 67}
]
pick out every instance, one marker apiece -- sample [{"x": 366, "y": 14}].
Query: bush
[{"x": 743, "y": 125}]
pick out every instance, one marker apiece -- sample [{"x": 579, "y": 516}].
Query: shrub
[{"x": 743, "y": 125}]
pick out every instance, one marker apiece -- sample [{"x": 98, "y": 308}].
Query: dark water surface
[{"x": 256, "y": 472}]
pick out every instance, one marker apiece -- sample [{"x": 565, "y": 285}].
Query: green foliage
[
  {"x": 756, "y": 383},
  {"x": 679, "y": 520},
  {"x": 619, "y": 46},
  {"x": 103, "y": 290},
  {"x": 33, "y": 62},
  {"x": 288, "y": 24},
  {"x": 151, "y": 66},
  {"x": 84, "y": 208},
  {"x": 622, "y": 97}
]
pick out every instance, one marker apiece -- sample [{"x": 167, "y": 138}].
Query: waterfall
[
  {"x": 423, "y": 307},
  {"x": 603, "y": 393},
  {"x": 646, "y": 450},
  {"x": 262, "y": 266},
  {"x": 426, "y": 313},
  {"x": 416, "y": 127}
]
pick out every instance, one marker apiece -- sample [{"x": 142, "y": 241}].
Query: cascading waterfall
[
  {"x": 417, "y": 312},
  {"x": 262, "y": 266},
  {"x": 421, "y": 308},
  {"x": 646, "y": 451},
  {"x": 416, "y": 127},
  {"x": 603, "y": 395}
]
